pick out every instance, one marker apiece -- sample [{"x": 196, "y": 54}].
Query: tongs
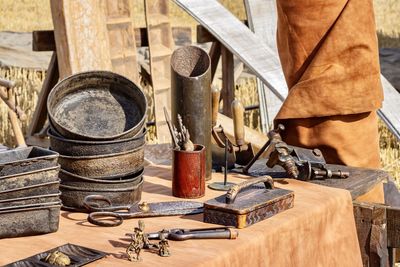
[{"x": 200, "y": 233}]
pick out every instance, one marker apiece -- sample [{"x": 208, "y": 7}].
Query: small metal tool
[
  {"x": 299, "y": 163},
  {"x": 171, "y": 130},
  {"x": 310, "y": 171},
  {"x": 200, "y": 233},
  {"x": 278, "y": 153},
  {"x": 223, "y": 186},
  {"x": 114, "y": 215}
]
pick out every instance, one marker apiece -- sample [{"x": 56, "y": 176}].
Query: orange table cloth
[{"x": 318, "y": 231}]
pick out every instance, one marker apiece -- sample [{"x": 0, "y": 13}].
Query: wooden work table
[{"x": 314, "y": 232}]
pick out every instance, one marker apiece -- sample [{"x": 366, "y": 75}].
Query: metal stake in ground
[{"x": 223, "y": 186}]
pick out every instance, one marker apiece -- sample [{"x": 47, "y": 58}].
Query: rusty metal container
[
  {"x": 32, "y": 190},
  {"x": 71, "y": 179},
  {"x": 30, "y": 178},
  {"x": 39, "y": 199},
  {"x": 108, "y": 165},
  {"x": 191, "y": 95},
  {"x": 97, "y": 105},
  {"x": 188, "y": 173},
  {"x": 71, "y": 147},
  {"x": 72, "y": 196},
  {"x": 28, "y": 221},
  {"x": 26, "y": 159}
]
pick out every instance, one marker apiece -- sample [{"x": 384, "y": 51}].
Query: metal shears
[{"x": 109, "y": 215}]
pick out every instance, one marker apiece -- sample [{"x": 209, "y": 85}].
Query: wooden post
[
  {"x": 228, "y": 81},
  {"x": 161, "y": 46},
  {"x": 40, "y": 114},
  {"x": 372, "y": 235},
  {"x": 215, "y": 54}
]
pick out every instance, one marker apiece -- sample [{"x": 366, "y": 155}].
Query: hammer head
[{"x": 244, "y": 154}]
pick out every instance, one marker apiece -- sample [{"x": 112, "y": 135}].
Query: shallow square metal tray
[
  {"x": 79, "y": 256},
  {"x": 26, "y": 159},
  {"x": 29, "y": 220}
]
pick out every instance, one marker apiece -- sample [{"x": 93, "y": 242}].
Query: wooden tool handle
[
  {"x": 11, "y": 105},
  {"x": 234, "y": 190},
  {"x": 215, "y": 93},
  {"x": 19, "y": 136},
  {"x": 6, "y": 83},
  {"x": 238, "y": 121}
]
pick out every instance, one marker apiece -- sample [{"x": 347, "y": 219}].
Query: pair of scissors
[{"x": 109, "y": 215}]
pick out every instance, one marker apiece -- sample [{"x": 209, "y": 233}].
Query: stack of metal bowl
[{"x": 97, "y": 125}]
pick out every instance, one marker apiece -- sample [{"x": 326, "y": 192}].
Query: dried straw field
[{"x": 29, "y": 15}]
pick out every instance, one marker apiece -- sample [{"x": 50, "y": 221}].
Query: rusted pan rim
[
  {"x": 32, "y": 190},
  {"x": 107, "y": 166},
  {"x": 30, "y": 200},
  {"x": 30, "y": 178},
  {"x": 71, "y": 179},
  {"x": 72, "y": 196},
  {"x": 97, "y": 105},
  {"x": 29, "y": 221},
  {"x": 26, "y": 159},
  {"x": 71, "y": 147},
  {"x": 31, "y": 205}
]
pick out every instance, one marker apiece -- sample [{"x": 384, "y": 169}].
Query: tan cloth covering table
[{"x": 318, "y": 231}]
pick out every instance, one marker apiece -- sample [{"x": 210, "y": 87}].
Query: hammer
[{"x": 244, "y": 152}]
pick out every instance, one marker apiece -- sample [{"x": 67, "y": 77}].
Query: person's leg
[
  {"x": 343, "y": 139},
  {"x": 329, "y": 55}
]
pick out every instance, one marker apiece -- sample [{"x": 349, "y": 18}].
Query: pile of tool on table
[{"x": 97, "y": 125}]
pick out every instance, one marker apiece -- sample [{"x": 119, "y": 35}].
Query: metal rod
[
  {"x": 259, "y": 153},
  {"x": 251, "y": 107},
  {"x": 226, "y": 161},
  {"x": 171, "y": 130}
]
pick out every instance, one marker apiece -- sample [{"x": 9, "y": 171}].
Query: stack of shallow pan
[
  {"x": 97, "y": 125},
  {"x": 29, "y": 192}
]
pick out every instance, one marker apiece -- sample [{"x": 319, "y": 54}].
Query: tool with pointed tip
[
  {"x": 225, "y": 185},
  {"x": 171, "y": 130},
  {"x": 110, "y": 215}
]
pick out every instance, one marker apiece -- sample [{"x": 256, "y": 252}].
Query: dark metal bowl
[
  {"x": 71, "y": 179},
  {"x": 70, "y": 147},
  {"x": 97, "y": 105},
  {"x": 72, "y": 197},
  {"x": 103, "y": 166}
]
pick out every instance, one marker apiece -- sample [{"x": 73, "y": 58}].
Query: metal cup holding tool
[{"x": 189, "y": 172}]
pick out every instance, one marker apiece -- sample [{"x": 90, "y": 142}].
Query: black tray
[
  {"x": 79, "y": 256},
  {"x": 26, "y": 159},
  {"x": 27, "y": 221},
  {"x": 40, "y": 199}
]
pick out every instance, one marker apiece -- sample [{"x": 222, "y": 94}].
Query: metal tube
[{"x": 191, "y": 95}]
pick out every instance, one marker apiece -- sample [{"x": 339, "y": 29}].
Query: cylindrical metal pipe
[{"x": 191, "y": 95}]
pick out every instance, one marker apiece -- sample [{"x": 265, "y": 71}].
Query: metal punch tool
[{"x": 200, "y": 233}]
